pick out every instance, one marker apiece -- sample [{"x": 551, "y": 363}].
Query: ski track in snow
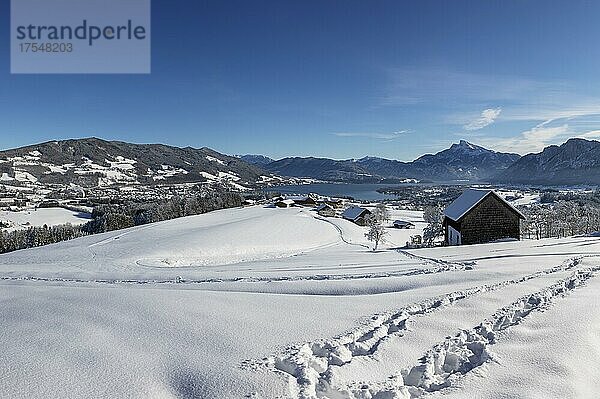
[
  {"x": 438, "y": 266},
  {"x": 433, "y": 261},
  {"x": 340, "y": 232},
  {"x": 449, "y": 267},
  {"x": 310, "y": 366}
]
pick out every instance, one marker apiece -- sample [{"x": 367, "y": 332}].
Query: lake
[{"x": 363, "y": 192}]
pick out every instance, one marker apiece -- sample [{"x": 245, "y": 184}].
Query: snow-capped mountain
[
  {"x": 94, "y": 162},
  {"x": 575, "y": 162},
  {"x": 462, "y": 161},
  {"x": 260, "y": 160}
]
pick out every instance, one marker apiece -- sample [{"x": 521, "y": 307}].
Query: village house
[
  {"x": 480, "y": 216},
  {"x": 334, "y": 202},
  {"x": 294, "y": 200},
  {"x": 249, "y": 202},
  {"x": 7, "y": 202},
  {"x": 403, "y": 224},
  {"x": 302, "y": 200},
  {"x": 284, "y": 203},
  {"x": 325, "y": 210},
  {"x": 357, "y": 214},
  {"x": 49, "y": 204}
]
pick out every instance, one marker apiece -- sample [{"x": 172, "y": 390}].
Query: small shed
[
  {"x": 357, "y": 214},
  {"x": 480, "y": 216},
  {"x": 403, "y": 224}
]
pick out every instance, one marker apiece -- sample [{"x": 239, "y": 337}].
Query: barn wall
[{"x": 490, "y": 220}]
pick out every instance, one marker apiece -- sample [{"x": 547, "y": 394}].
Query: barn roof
[
  {"x": 299, "y": 198},
  {"x": 468, "y": 200},
  {"x": 354, "y": 212}
]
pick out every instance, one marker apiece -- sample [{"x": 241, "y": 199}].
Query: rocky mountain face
[
  {"x": 462, "y": 161},
  {"x": 95, "y": 162},
  {"x": 575, "y": 162}
]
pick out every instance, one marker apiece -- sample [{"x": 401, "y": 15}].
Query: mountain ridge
[
  {"x": 577, "y": 161},
  {"x": 96, "y": 162},
  {"x": 93, "y": 162},
  {"x": 462, "y": 161}
]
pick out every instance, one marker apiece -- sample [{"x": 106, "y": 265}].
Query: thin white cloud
[
  {"x": 410, "y": 86},
  {"x": 532, "y": 140},
  {"x": 487, "y": 117},
  {"x": 523, "y": 98},
  {"x": 370, "y": 135},
  {"x": 592, "y": 134},
  {"x": 544, "y": 112}
]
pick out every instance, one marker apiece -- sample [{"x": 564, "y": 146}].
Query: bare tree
[
  {"x": 376, "y": 234},
  {"x": 561, "y": 219},
  {"x": 381, "y": 213},
  {"x": 433, "y": 216}
]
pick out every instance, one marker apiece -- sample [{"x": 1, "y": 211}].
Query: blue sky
[{"x": 340, "y": 79}]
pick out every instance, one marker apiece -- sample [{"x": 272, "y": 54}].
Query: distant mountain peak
[
  {"x": 369, "y": 159},
  {"x": 255, "y": 159},
  {"x": 466, "y": 146}
]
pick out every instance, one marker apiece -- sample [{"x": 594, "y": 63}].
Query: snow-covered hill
[
  {"x": 95, "y": 162},
  {"x": 278, "y": 303},
  {"x": 42, "y": 216}
]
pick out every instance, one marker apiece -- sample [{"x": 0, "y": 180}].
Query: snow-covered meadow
[
  {"x": 280, "y": 303},
  {"x": 16, "y": 220}
]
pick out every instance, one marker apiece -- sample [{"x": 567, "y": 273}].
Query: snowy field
[
  {"x": 42, "y": 216},
  {"x": 279, "y": 303}
]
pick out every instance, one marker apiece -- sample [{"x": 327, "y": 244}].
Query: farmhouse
[
  {"x": 480, "y": 216},
  {"x": 284, "y": 203},
  {"x": 334, "y": 202},
  {"x": 302, "y": 200},
  {"x": 403, "y": 224},
  {"x": 325, "y": 210},
  {"x": 357, "y": 215}
]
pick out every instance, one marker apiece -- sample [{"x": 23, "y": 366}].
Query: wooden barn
[
  {"x": 480, "y": 216},
  {"x": 357, "y": 215}
]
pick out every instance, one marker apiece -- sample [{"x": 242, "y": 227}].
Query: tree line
[
  {"x": 38, "y": 236},
  {"x": 120, "y": 216},
  {"x": 561, "y": 219}
]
